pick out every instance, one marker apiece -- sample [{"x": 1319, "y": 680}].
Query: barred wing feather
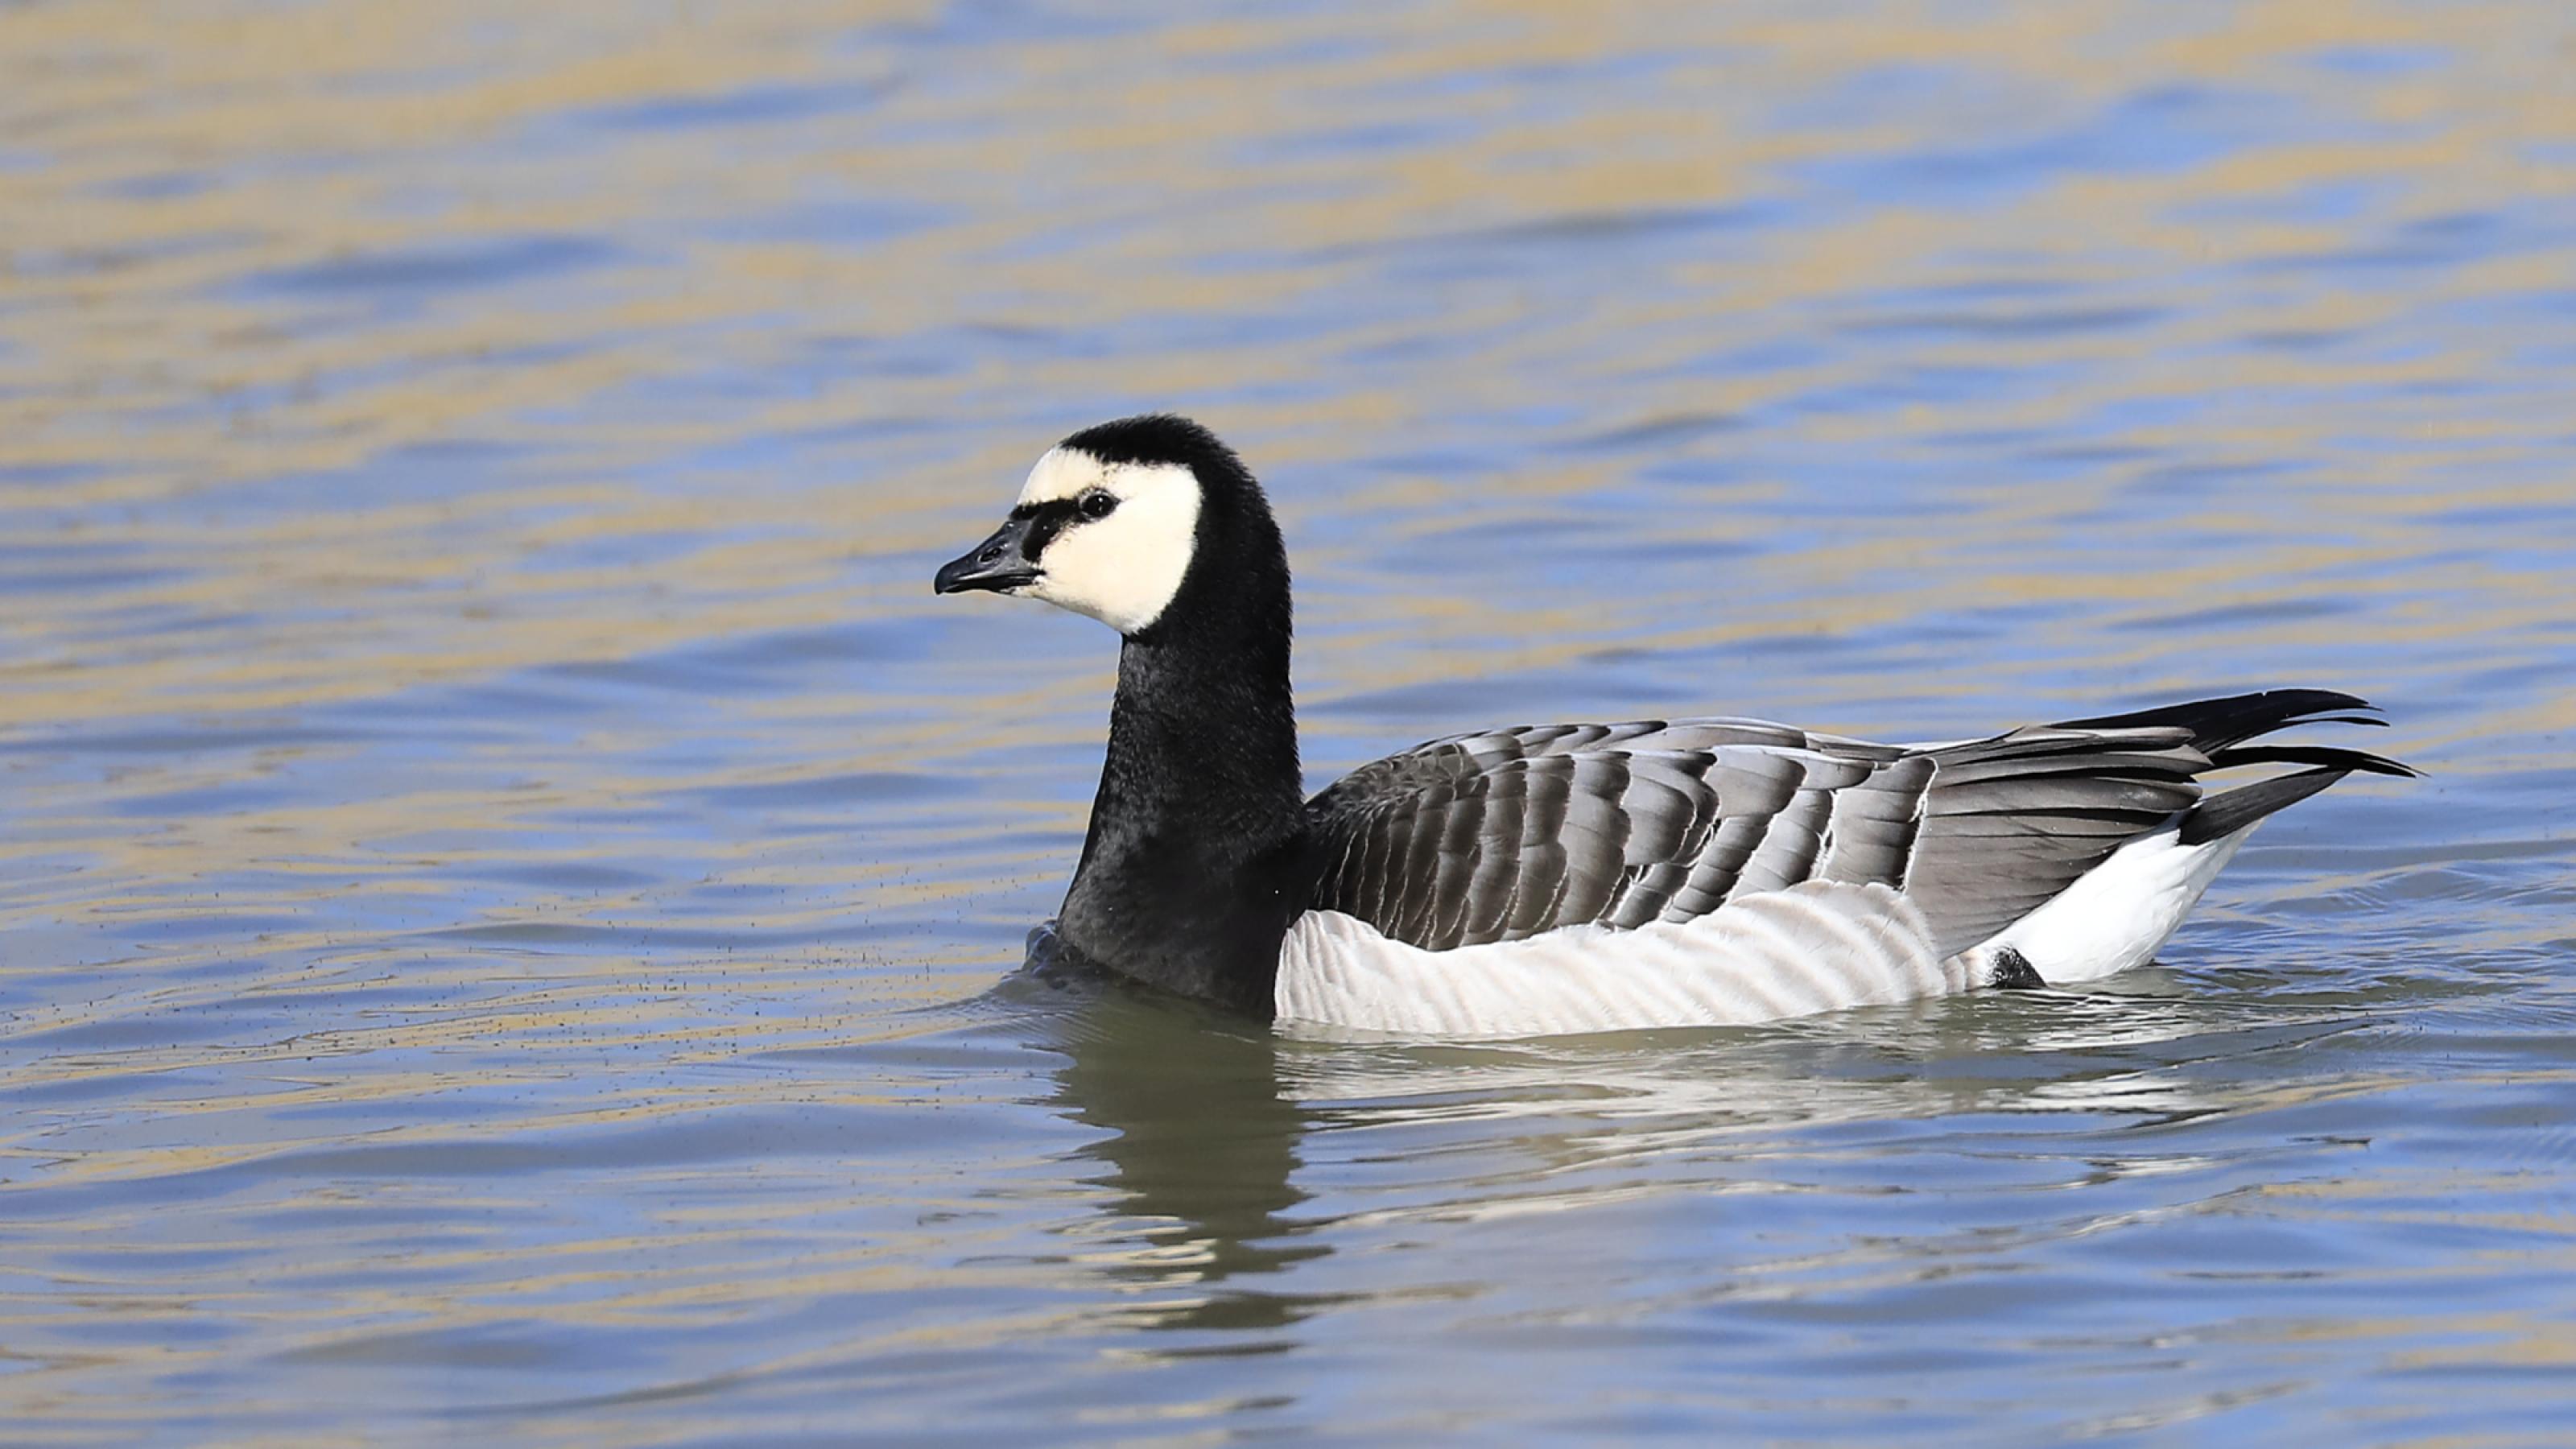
[{"x": 1503, "y": 835}]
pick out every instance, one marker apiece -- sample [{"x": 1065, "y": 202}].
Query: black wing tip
[
  {"x": 2285, "y": 703},
  {"x": 2326, "y": 756},
  {"x": 2222, "y": 722},
  {"x": 2241, "y": 808},
  {"x": 2303, "y": 701}
]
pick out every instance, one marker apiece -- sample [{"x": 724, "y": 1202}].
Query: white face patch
[{"x": 1121, "y": 569}]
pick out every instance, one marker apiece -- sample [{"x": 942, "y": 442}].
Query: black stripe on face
[{"x": 1046, "y": 520}]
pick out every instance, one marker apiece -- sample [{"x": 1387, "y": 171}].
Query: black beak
[{"x": 996, "y": 563}]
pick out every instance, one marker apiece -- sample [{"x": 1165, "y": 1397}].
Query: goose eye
[{"x": 1097, "y": 504}]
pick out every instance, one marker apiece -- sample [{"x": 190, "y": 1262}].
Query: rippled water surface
[{"x": 509, "y": 882}]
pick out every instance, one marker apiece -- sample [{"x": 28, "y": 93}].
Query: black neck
[
  {"x": 1191, "y": 872},
  {"x": 1203, "y": 741}
]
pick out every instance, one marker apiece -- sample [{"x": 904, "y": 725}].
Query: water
[{"x": 509, "y": 878}]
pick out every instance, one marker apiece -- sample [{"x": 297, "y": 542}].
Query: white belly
[{"x": 1813, "y": 947}]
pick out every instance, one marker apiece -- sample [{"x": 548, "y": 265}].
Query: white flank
[
  {"x": 1813, "y": 947},
  {"x": 2117, "y": 914},
  {"x": 1122, "y": 569}
]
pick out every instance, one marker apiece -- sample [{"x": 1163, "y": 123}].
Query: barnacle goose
[{"x": 1543, "y": 879}]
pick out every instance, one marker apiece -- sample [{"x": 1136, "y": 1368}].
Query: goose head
[{"x": 1119, "y": 519}]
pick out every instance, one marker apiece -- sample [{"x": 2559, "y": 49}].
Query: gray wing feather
[
  {"x": 1875, "y": 823},
  {"x": 1790, "y": 843},
  {"x": 1714, "y": 871}
]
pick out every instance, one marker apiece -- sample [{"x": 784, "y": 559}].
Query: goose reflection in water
[
  {"x": 1211, "y": 1121},
  {"x": 1202, "y": 1146}
]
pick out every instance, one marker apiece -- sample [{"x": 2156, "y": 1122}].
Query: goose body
[{"x": 1562, "y": 878}]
